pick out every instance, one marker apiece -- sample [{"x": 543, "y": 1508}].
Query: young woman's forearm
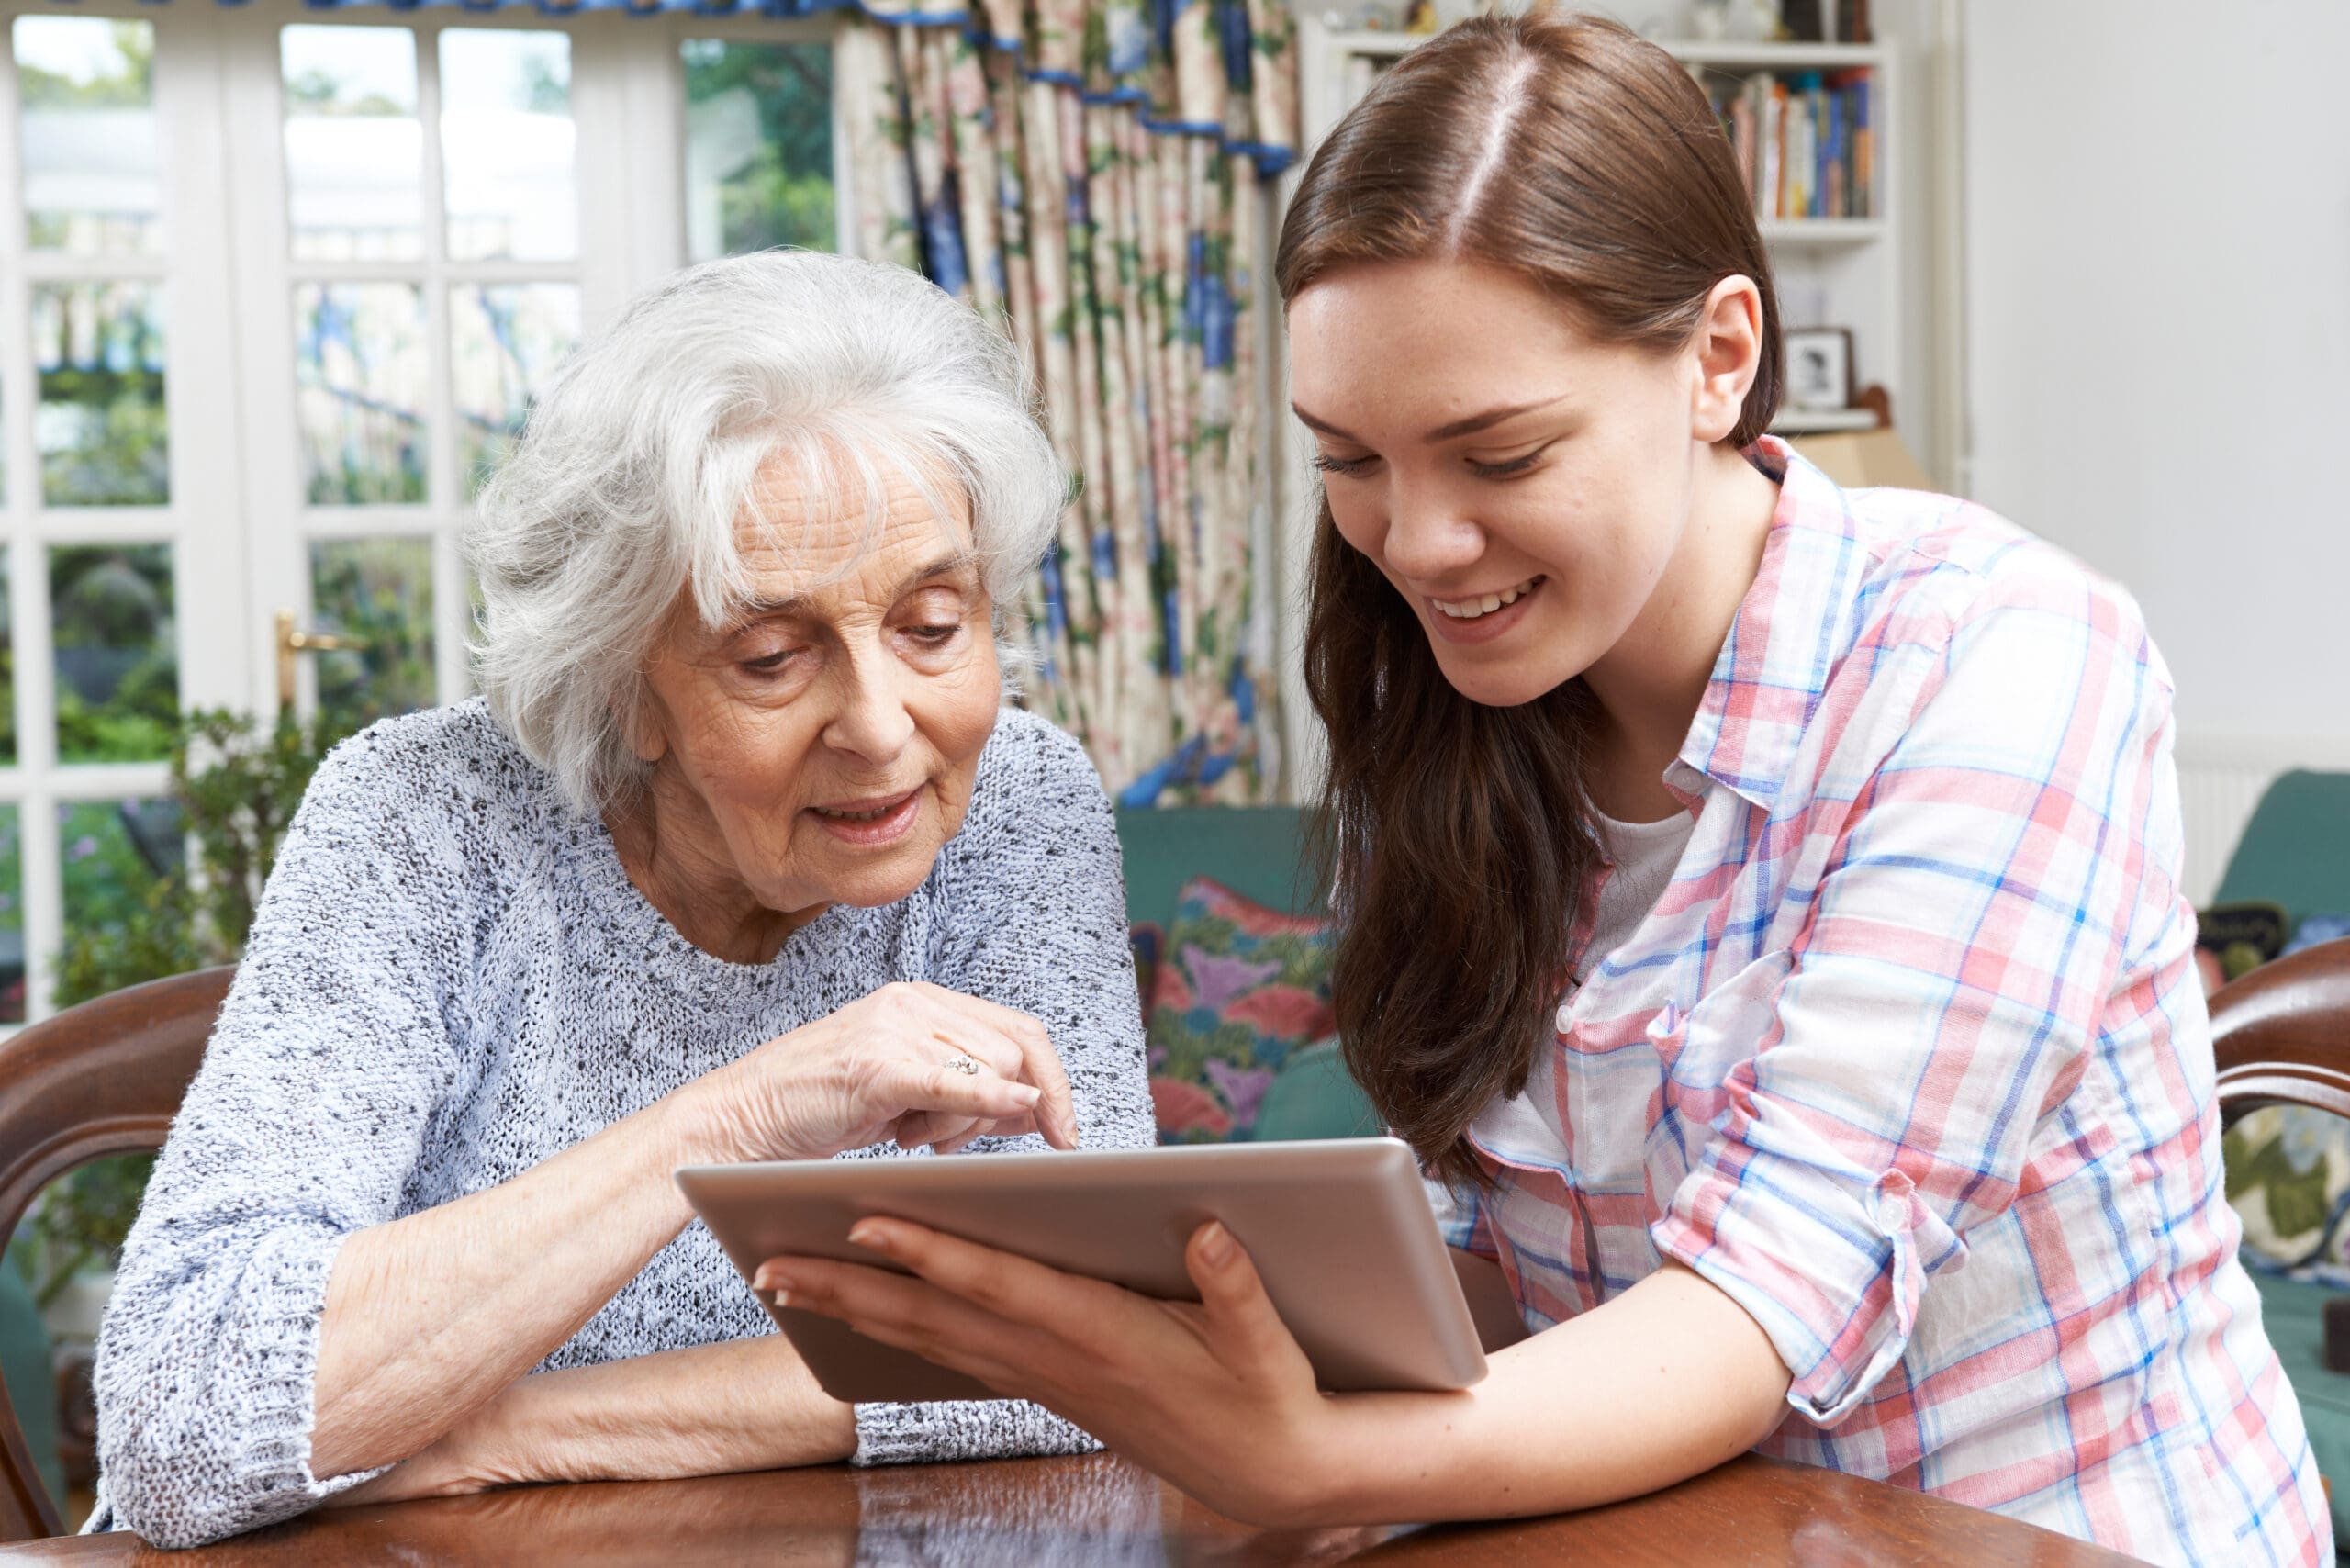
[
  {"x": 1667, "y": 1381},
  {"x": 430, "y": 1317},
  {"x": 710, "y": 1410}
]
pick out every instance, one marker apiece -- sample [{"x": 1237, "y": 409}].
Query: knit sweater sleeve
[
  {"x": 302, "y": 1126},
  {"x": 1034, "y": 917}
]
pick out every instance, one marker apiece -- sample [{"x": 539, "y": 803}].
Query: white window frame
[
  {"x": 201, "y": 522},
  {"x": 628, "y": 103},
  {"x": 283, "y": 524},
  {"x": 238, "y": 521}
]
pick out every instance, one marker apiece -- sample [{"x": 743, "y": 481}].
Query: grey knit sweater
[{"x": 450, "y": 979}]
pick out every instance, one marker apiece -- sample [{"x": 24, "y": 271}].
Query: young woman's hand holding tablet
[{"x": 1218, "y": 1397}]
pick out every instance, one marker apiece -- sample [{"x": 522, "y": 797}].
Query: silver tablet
[{"x": 1340, "y": 1231}]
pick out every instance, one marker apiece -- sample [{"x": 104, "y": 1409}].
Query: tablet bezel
[{"x": 1340, "y": 1231}]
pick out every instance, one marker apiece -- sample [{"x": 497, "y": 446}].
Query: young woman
[{"x": 1758, "y": 905}]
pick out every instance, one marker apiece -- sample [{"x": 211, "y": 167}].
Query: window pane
[
  {"x": 354, "y": 147},
  {"x": 113, "y": 853},
  {"x": 359, "y": 372},
  {"x": 8, "y": 670},
  {"x": 505, "y": 339},
  {"x": 117, "y": 656},
  {"x": 506, "y": 145},
  {"x": 12, "y": 919},
  {"x": 759, "y": 146},
  {"x": 379, "y": 591},
  {"x": 87, "y": 89},
  {"x": 98, "y": 350}
]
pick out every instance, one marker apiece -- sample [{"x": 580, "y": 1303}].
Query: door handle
[{"x": 292, "y": 640}]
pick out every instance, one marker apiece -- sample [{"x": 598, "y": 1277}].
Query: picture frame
[{"x": 1819, "y": 367}]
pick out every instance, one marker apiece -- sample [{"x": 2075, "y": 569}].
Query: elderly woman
[{"x": 739, "y": 860}]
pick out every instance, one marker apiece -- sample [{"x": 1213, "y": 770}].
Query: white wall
[{"x": 2158, "y": 257}]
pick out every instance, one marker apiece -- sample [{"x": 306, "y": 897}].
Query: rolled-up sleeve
[
  {"x": 301, "y": 1127},
  {"x": 1982, "y": 875}
]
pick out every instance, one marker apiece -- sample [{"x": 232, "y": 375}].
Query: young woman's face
[{"x": 1521, "y": 485}]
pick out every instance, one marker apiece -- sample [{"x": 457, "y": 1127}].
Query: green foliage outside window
[
  {"x": 314, "y": 90},
  {"x": 113, "y": 629},
  {"x": 113, "y": 853},
  {"x": 379, "y": 592},
  {"x": 82, "y": 1220},
  {"x": 119, "y": 453},
  {"x": 236, "y": 782},
  {"x": 783, "y": 193},
  {"x": 129, "y": 87},
  {"x": 133, "y": 725},
  {"x": 7, "y": 680}
]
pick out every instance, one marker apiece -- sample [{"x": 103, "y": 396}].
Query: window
[
  {"x": 430, "y": 280},
  {"x": 277, "y": 288},
  {"x": 758, "y": 168},
  {"x": 93, "y": 482}
]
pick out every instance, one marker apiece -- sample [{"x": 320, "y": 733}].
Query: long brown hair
[{"x": 1569, "y": 151}]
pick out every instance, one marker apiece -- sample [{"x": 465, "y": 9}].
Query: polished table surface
[{"x": 1100, "y": 1510}]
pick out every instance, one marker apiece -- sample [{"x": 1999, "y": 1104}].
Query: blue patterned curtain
[{"x": 1092, "y": 175}]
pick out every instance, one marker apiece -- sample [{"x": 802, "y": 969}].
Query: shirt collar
[{"x": 1786, "y": 639}]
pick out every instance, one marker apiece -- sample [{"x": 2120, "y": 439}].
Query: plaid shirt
[{"x": 1911, "y": 1057}]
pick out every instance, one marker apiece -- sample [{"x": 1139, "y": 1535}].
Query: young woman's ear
[{"x": 1728, "y": 344}]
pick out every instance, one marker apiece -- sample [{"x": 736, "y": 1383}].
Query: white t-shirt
[{"x": 1642, "y": 857}]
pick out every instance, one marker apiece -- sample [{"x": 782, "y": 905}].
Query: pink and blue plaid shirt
[{"x": 1911, "y": 1057}]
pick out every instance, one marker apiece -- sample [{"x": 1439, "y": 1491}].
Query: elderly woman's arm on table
[
  {"x": 1039, "y": 854},
  {"x": 267, "y": 1279}
]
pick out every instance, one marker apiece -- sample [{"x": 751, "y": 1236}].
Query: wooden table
[{"x": 1100, "y": 1510}]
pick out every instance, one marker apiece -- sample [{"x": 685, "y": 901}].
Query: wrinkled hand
[
  {"x": 1215, "y": 1396},
  {"x": 882, "y": 1068}
]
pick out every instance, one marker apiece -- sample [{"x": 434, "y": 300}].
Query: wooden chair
[
  {"x": 2282, "y": 1037},
  {"x": 2282, "y": 1034},
  {"x": 104, "y": 1078}
]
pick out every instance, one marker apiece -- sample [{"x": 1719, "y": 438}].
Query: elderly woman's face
[{"x": 826, "y": 741}]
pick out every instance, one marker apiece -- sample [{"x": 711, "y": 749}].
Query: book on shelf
[{"x": 1805, "y": 139}]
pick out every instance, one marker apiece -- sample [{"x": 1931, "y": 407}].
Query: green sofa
[
  {"x": 2295, "y": 849},
  {"x": 1253, "y": 850}
]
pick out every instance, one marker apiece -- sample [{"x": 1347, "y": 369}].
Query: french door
[{"x": 277, "y": 287}]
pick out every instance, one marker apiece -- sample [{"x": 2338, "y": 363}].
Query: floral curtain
[{"x": 1093, "y": 173}]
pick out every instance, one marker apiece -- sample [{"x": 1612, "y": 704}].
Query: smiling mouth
[
  {"x": 1484, "y": 605},
  {"x": 864, "y": 811}
]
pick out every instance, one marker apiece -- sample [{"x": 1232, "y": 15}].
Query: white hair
[{"x": 643, "y": 458}]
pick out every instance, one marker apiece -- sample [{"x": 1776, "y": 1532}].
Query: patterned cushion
[
  {"x": 2289, "y": 1167},
  {"x": 2288, "y": 1176},
  {"x": 1240, "y": 987}
]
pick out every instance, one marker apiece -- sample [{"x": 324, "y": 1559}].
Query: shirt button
[
  {"x": 1893, "y": 1215},
  {"x": 1566, "y": 1016}
]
